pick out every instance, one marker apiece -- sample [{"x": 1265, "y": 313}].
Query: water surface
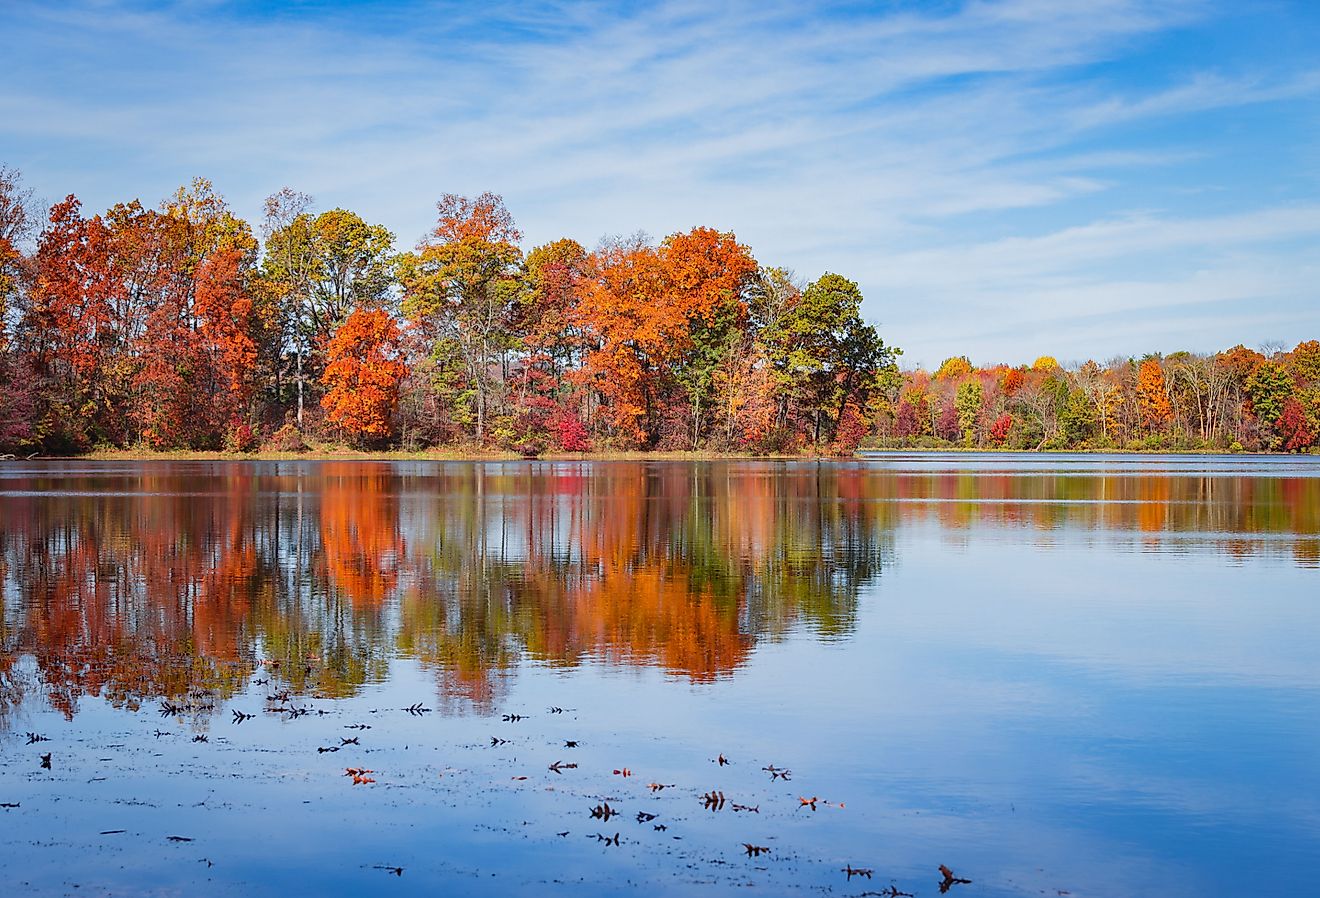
[{"x": 1062, "y": 674}]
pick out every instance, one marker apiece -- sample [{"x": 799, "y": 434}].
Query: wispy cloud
[{"x": 946, "y": 157}]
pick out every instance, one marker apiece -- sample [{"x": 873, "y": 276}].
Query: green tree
[
  {"x": 1268, "y": 387},
  {"x": 1077, "y": 417},
  {"x": 835, "y": 354},
  {"x": 969, "y": 400}
]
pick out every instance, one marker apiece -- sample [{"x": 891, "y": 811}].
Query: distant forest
[
  {"x": 186, "y": 327},
  {"x": 1235, "y": 400}
]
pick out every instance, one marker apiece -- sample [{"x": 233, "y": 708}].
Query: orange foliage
[
  {"x": 362, "y": 374},
  {"x": 228, "y": 323},
  {"x": 706, "y": 271},
  {"x": 481, "y": 218},
  {"x": 1241, "y": 361},
  {"x": 360, "y": 538},
  {"x": 1152, "y": 395},
  {"x": 640, "y": 308}
]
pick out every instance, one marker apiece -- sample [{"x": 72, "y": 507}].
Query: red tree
[
  {"x": 570, "y": 433},
  {"x": 1294, "y": 430}
]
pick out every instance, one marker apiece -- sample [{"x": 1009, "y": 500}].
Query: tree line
[
  {"x": 1238, "y": 399},
  {"x": 185, "y": 327}
]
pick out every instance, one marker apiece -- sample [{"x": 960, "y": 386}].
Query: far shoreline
[{"x": 469, "y": 454}]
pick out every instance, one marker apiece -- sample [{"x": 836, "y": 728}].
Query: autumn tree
[
  {"x": 20, "y": 383},
  {"x": 69, "y": 326},
  {"x": 758, "y": 387},
  {"x": 633, "y": 334},
  {"x": 199, "y": 324},
  {"x": 546, "y": 394},
  {"x": 661, "y": 321},
  {"x": 462, "y": 286},
  {"x": 316, "y": 270},
  {"x": 362, "y": 375},
  {"x": 1152, "y": 394},
  {"x": 231, "y": 328},
  {"x": 1296, "y": 432},
  {"x": 555, "y": 274},
  {"x": 954, "y": 368},
  {"x": 707, "y": 273},
  {"x": 1011, "y": 380},
  {"x": 1304, "y": 361}
]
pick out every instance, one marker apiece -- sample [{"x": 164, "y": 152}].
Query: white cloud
[{"x": 946, "y": 161}]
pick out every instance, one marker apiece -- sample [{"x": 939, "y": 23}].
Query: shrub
[
  {"x": 287, "y": 439},
  {"x": 240, "y": 438}
]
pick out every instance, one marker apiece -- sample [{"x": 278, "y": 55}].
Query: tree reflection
[{"x": 168, "y": 580}]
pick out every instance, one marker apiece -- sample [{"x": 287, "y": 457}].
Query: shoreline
[{"x": 471, "y": 454}]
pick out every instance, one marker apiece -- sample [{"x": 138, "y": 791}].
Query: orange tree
[{"x": 362, "y": 375}]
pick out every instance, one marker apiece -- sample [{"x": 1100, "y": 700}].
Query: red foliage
[
  {"x": 1000, "y": 428},
  {"x": 569, "y": 433},
  {"x": 228, "y": 324},
  {"x": 851, "y": 430},
  {"x": 241, "y": 438},
  {"x": 1293, "y": 427},
  {"x": 947, "y": 427},
  {"x": 18, "y": 403},
  {"x": 906, "y": 422}
]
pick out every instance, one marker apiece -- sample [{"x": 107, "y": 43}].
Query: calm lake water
[{"x": 1084, "y": 675}]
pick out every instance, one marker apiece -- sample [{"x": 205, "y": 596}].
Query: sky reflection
[{"x": 1095, "y": 678}]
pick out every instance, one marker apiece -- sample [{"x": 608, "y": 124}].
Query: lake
[{"x": 1086, "y": 675}]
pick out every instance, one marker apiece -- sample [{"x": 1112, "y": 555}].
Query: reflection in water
[
  {"x": 136, "y": 582},
  {"x": 159, "y": 580},
  {"x": 1068, "y": 674}
]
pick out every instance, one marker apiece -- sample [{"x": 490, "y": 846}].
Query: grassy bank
[{"x": 444, "y": 453}]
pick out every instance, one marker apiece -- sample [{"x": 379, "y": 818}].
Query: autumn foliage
[
  {"x": 183, "y": 326},
  {"x": 1233, "y": 400},
  {"x": 362, "y": 375}
]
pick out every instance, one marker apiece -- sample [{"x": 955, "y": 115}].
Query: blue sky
[{"x": 1087, "y": 178}]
